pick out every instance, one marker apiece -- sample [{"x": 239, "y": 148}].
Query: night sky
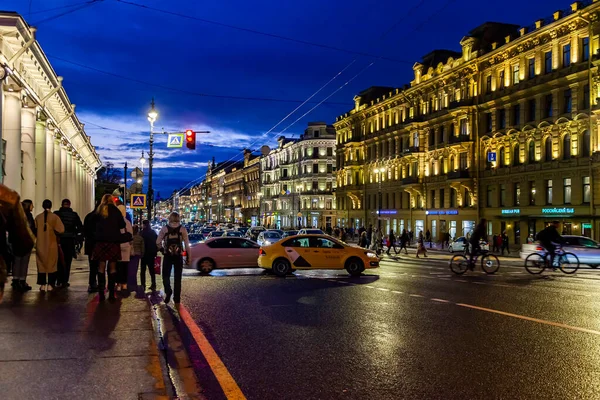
[{"x": 175, "y": 58}]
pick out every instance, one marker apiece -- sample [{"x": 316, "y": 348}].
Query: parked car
[
  {"x": 253, "y": 233},
  {"x": 195, "y": 237},
  {"x": 224, "y": 252},
  {"x": 460, "y": 245},
  {"x": 310, "y": 232},
  {"x": 234, "y": 234},
  {"x": 214, "y": 234},
  {"x": 268, "y": 237},
  {"x": 242, "y": 229},
  {"x": 289, "y": 233},
  {"x": 586, "y": 249}
]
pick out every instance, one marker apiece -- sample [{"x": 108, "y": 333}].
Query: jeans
[
  {"x": 64, "y": 271},
  {"x": 122, "y": 267},
  {"x": 168, "y": 263},
  {"x": 20, "y": 268},
  {"x": 93, "y": 272},
  {"x": 148, "y": 262},
  {"x": 132, "y": 270},
  {"x": 42, "y": 280}
]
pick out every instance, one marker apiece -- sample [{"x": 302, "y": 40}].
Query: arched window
[
  {"x": 451, "y": 165},
  {"x": 548, "y": 149},
  {"x": 585, "y": 144},
  {"x": 441, "y": 166},
  {"x": 567, "y": 147},
  {"x": 441, "y": 134},
  {"x": 451, "y": 131},
  {"x": 516, "y": 155},
  {"x": 502, "y": 157},
  {"x": 531, "y": 153}
]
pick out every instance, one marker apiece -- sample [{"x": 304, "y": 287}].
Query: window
[
  {"x": 548, "y": 106},
  {"x": 451, "y": 130},
  {"x": 463, "y": 127},
  {"x": 315, "y": 185},
  {"x": 548, "y": 149},
  {"x": 501, "y": 79},
  {"x": 488, "y": 197},
  {"x": 517, "y": 194},
  {"x": 315, "y": 169},
  {"x": 431, "y": 137},
  {"x": 567, "y": 101},
  {"x": 515, "y": 74},
  {"x": 330, "y": 151},
  {"x": 531, "y": 74},
  {"x": 516, "y": 155},
  {"x": 452, "y": 198},
  {"x": 566, "y": 57},
  {"x": 531, "y": 153},
  {"x": 502, "y": 118},
  {"x": 585, "y": 144},
  {"x": 586, "y": 189},
  {"x": 442, "y": 201},
  {"x": 502, "y": 157},
  {"x": 549, "y": 192},
  {"x": 316, "y": 134},
  {"x": 532, "y": 193},
  {"x": 296, "y": 242},
  {"x": 488, "y": 84},
  {"x": 488, "y": 163},
  {"x": 567, "y": 147},
  {"x": 488, "y": 121},
  {"x": 516, "y": 115},
  {"x": 432, "y": 198},
  {"x": 416, "y": 139},
  {"x": 315, "y": 152},
  {"x": 567, "y": 190},
  {"x": 467, "y": 198},
  {"x": 586, "y": 97},
  {"x": 547, "y": 62},
  {"x": 502, "y": 199},
  {"x": 463, "y": 161},
  {"x": 531, "y": 109},
  {"x": 441, "y": 134},
  {"x": 585, "y": 49},
  {"x": 329, "y": 168}
]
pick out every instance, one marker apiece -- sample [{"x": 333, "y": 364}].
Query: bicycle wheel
[
  {"x": 535, "y": 263},
  {"x": 490, "y": 264},
  {"x": 568, "y": 263},
  {"x": 459, "y": 264}
]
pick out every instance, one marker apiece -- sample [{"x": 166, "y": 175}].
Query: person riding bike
[
  {"x": 548, "y": 236},
  {"x": 476, "y": 237}
]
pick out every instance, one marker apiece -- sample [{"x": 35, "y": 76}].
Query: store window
[
  {"x": 453, "y": 229},
  {"x": 419, "y": 227},
  {"x": 586, "y": 189},
  {"x": 467, "y": 228},
  {"x": 517, "y": 194},
  {"x": 532, "y": 193},
  {"x": 502, "y": 200},
  {"x": 567, "y": 190},
  {"x": 549, "y": 192},
  {"x": 434, "y": 229}
]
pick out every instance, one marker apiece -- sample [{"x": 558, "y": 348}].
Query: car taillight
[
  {"x": 539, "y": 248},
  {"x": 261, "y": 252}
]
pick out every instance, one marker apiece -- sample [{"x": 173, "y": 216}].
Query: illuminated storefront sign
[
  {"x": 387, "y": 212},
  {"x": 510, "y": 211},
  {"x": 586, "y": 226},
  {"x": 441, "y": 212},
  {"x": 556, "y": 210}
]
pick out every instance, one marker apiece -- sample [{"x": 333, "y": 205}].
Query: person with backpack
[
  {"x": 171, "y": 241},
  {"x": 21, "y": 265},
  {"x": 123, "y": 263},
  {"x": 68, "y": 239},
  {"x": 150, "y": 251}
]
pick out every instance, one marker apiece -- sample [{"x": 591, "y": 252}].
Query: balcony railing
[
  {"x": 460, "y": 174},
  {"x": 459, "y": 139},
  {"x": 409, "y": 180},
  {"x": 461, "y": 103}
]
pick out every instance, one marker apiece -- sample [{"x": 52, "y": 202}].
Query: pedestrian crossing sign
[
  {"x": 138, "y": 201},
  {"x": 175, "y": 140}
]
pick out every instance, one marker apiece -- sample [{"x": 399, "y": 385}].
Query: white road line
[
  {"x": 415, "y": 295},
  {"x": 397, "y": 292},
  {"x": 439, "y": 300},
  {"x": 383, "y": 289}
]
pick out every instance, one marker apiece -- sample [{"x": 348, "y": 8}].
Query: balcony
[
  {"x": 461, "y": 103},
  {"x": 459, "y": 139},
  {"x": 413, "y": 149},
  {"x": 285, "y": 178},
  {"x": 316, "y": 192},
  {"x": 460, "y": 174},
  {"x": 410, "y": 180}
]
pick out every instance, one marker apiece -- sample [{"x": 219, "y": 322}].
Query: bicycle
[
  {"x": 459, "y": 264},
  {"x": 536, "y": 263}
]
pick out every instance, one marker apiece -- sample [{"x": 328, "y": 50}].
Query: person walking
[
  {"x": 21, "y": 264},
  {"x": 68, "y": 239},
  {"x": 169, "y": 241},
  {"x": 370, "y": 234},
  {"x": 404, "y": 241},
  {"x": 421, "y": 245},
  {"x": 428, "y": 237},
  {"x": 89, "y": 233},
  {"x": 362, "y": 241},
  {"x": 505, "y": 243},
  {"x": 48, "y": 225},
  {"x": 137, "y": 252},
  {"x": 123, "y": 263},
  {"x": 410, "y": 237},
  {"x": 150, "y": 252},
  {"x": 495, "y": 243},
  {"x": 13, "y": 224},
  {"x": 107, "y": 250},
  {"x": 392, "y": 242}
]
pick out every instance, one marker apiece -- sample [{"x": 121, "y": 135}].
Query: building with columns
[
  {"x": 46, "y": 153},
  {"x": 505, "y": 128}
]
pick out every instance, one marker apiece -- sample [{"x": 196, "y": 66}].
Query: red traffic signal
[{"x": 190, "y": 139}]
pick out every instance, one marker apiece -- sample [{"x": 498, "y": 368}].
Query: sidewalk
[{"x": 65, "y": 344}]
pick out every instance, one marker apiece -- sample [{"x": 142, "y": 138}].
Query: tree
[{"x": 109, "y": 174}]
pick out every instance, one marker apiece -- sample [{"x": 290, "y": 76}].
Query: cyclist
[
  {"x": 476, "y": 237},
  {"x": 548, "y": 236}
]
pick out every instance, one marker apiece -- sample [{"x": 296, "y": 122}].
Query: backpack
[{"x": 173, "y": 241}]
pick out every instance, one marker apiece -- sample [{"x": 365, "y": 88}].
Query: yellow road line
[
  {"x": 540, "y": 321},
  {"x": 228, "y": 384}
]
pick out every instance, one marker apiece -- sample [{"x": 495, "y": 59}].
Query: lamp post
[
  {"x": 219, "y": 211},
  {"x": 209, "y": 211},
  {"x": 152, "y": 116},
  {"x": 379, "y": 171},
  {"x": 260, "y": 221},
  {"x": 233, "y": 199}
]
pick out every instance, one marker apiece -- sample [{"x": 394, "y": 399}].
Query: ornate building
[
  {"x": 233, "y": 193},
  {"x": 505, "y": 129},
  {"x": 251, "y": 197},
  {"x": 298, "y": 180}
]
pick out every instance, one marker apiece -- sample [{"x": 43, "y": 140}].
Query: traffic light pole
[{"x": 149, "y": 197}]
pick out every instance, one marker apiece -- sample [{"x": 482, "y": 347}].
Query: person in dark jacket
[
  {"x": 107, "y": 249},
  {"x": 505, "y": 243},
  {"x": 89, "y": 233},
  {"x": 392, "y": 239},
  {"x": 369, "y": 234},
  {"x": 150, "y": 252},
  {"x": 404, "y": 241},
  {"x": 548, "y": 237},
  {"x": 21, "y": 264},
  {"x": 73, "y": 227}
]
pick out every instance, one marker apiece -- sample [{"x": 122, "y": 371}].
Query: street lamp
[
  {"x": 233, "y": 199},
  {"x": 379, "y": 171},
  {"x": 219, "y": 210},
  {"x": 260, "y": 195},
  {"x": 142, "y": 160},
  {"x": 152, "y": 116}
]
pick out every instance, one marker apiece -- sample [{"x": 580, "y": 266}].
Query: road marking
[
  {"x": 415, "y": 295},
  {"x": 540, "y": 321},
  {"x": 395, "y": 291},
  {"x": 383, "y": 289},
  {"x": 228, "y": 384},
  {"x": 439, "y": 300}
]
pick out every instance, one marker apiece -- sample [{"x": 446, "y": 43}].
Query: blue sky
[{"x": 193, "y": 57}]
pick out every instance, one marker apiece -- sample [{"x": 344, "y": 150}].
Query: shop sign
[
  {"x": 510, "y": 211},
  {"x": 491, "y": 156},
  {"x": 441, "y": 212},
  {"x": 387, "y": 212},
  {"x": 586, "y": 226},
  {"x": 556, "y": 210},
  {"x": 314, "y": 213}
]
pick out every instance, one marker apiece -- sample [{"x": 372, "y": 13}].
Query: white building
[{"x": 45, "y": 151}]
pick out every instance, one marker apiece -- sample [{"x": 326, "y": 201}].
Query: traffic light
[{"x": 190, "y": 139}]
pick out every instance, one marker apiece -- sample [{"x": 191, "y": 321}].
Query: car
[
  {"x": 305, "y": 252},
  {"x": 310, "y": 232},
  {"x": 215, "y": 234},
  {"x": 289, "y": 233},
  {"x": 223, "y": 253},
  {"x": 268, "y": 237},
  {"x": 242, "y": 229},
  {"x": 280, "y": 231},
  {"x": 253, "y": 233},
  {"x": 195, "y": 237},
  {"x": 233, "y": 234},
  {"x": 461, "y": 243},
  {"x": 586, "y": 249}
]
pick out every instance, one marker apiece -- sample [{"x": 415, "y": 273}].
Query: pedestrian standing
[
  {"x": 13, "y": 225},
  {"x": 505, "y": 243},
  {"x": 392, "y": 242},
  {"x": 107, "y": 250},
  {"x": 21, "y": 264},
  {"x": 170, "y": 239},
  {"x": 123, "y": 263},
  {"x": 89, "y": 233},
  {"x": 137, "y": 252},
  {"x": 428, "y": 237},
  {"x": 421, "y": 245},
  {"x": 150, "y": 252},
  {"x": 495, "y": 243},
  {"x": 68, "y": 239},
  {"x": 370, "y": 234},
  {"x": 404, "y": 241},
  {"x": 48, "y": 225},
  {"x": 363, "y": 242},
  {"x": 410, "y": 237}
]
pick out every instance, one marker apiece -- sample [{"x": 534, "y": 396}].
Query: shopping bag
[{"x": 157, "y": 262}]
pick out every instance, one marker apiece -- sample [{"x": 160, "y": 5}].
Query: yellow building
[{"x": 504, "y": 129}]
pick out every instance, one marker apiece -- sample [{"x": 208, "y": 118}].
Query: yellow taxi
[{"x": 315, "y": 252}]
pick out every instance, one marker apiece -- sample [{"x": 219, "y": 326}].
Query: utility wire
[
  {"x": 54, "y": 17},
  {"x": 58, "y": 8},
  {"x": 267, "y": 34}
]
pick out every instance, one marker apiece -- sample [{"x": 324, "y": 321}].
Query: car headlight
[{"x": 371, "y": 255}]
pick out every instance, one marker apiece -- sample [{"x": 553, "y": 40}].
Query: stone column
[
  {"x": 63, "y": 176},
  {"x": 57, "y": 176},
  {"x": 49, "y": 167},
  {"x": 28, "y": 115},
  {"x": 40, "y": 164},
  {"x": 68, "y": 189},
  {"x": 11, "y": 133}
]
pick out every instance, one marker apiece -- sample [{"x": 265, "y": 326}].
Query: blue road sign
[{"x": 491, "y": 156}]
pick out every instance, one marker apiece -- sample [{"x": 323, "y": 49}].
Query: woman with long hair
[
  {"x": 123, "y": 263},
  {"x": 48, "y": 225},
  {"x": 107, "y": 249}
]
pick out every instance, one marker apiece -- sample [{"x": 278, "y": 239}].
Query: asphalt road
[{"x": 410, "y": 329}]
